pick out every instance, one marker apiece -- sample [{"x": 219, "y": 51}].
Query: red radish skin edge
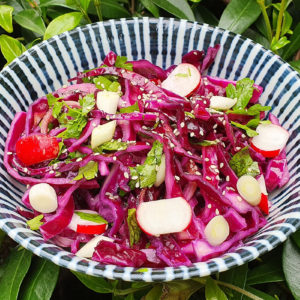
[
  {"x": 91, "y": 229},
  {"x": 264, "y": 204},
  {"x": 267, "y": 154}
]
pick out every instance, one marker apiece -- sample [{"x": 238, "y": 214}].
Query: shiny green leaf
[
  {"x": 62, "y": 23},
  {"x": 6, "y": 17},
  {"x": 40, "y": 281},
  {"x": 213, "y": 291},
  {"x": 96, "y": 284},
  {"x": 236, "y": 276},
  {"x": 149, "y": 5},
  {"x": 30, "y": 19},
  {"x": 296, "y": 235},
  {"x": 62, "y": 3},
  {"x": 85, "y": 4},
  {"x": 257, "y": 37},
  {"x": 294, "y": 45},
  {"x": 261, "y": 295},
  {"x": 154, "y": 293},
  {"x": 179, "y": 290},
  {"x": 291, "y": 267},
  {"x": 296, "y": 65},
  {"x": 239, "y": 15},
  {"x": 178, "y": 8},
  {"x": 14, "y": 273},
  {"x": 10, "y": 47},
  {"x": 282, "y": 42}
]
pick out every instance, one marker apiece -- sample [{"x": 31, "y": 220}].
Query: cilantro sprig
[
  {"x": 113, "y": 145},
  {"x": 121, "y": 62},
  {"x": 242, "y": 163},
  {"x": 145, "y": 175},
  {"x": 103, "y": 83},
  {"x": 35, "y": 223},
  {"x": 134, "y": 229},
  {"x": 130, "y": 109},
  {"x": 89, "y": 171},
  {"x": 91, "y": 217}
]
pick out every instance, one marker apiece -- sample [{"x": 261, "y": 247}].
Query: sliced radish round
[
  {"x": 264, "y": 201},
  {"x": 249, "y": 189},
  {"x": 103, "y": 133},
  {"x": 271, "y": 139},
  {"x": 217, "y": 230},
  {"x": 88, "y": 249},
  {"x": 221, "y": 103},
  {"x": 164, "y": 216},
  {"x": 108, "y": 101},
  {"x": 43, "y": 198},
  {"x": 161, "y": 173},
  {"x": 183, "y": 80},
  {"x": 88, "y": 222}
]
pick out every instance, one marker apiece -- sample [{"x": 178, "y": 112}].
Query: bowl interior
[{"x": 47, "y": 66}]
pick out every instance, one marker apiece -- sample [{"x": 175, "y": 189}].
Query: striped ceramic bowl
[{"x": 47, "y": 66}]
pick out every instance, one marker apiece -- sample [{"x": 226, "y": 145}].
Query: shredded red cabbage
[{"x": 198, "y": 144}]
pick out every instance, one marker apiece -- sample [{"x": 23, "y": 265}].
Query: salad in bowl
[{"x": 134, "y": 165}]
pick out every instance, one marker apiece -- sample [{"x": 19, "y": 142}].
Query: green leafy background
[{"x": 274, "y": 24}]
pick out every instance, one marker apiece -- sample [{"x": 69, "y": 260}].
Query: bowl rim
[{"x": 154, "y": 274}]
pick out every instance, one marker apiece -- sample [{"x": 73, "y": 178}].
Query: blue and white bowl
[{"x": 47, "y": 66}]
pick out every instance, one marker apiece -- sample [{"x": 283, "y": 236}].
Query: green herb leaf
[
  {"x": 56, "y": 110},
  {"x": 291, "y": 266},
  {"x": 294, "y": 44},
  {"x": 146, "y": 173},
  {"x": 91, "y": 217},
  {"x": 181, "y": 75},
  {"x": 296, "y": 65},
  {"x": 31, "y": 20},
  {"x": 103, "y": 83},
  {"x": 113, "y": 145},
  {"x": 243, "y": 92},
  {"x": 250, "y": 132},
  {"x": 87, "y": 103},
  {"x": 149, "y": 5},
  {"x": 242, "y": 163},
  {"x": 35, "y": 223},
  {"x": 130, "y": 109},
  {"x": 189, "y": 114},
  {"x": 89, "y": 171},
  {"x": 14, "y": 272},
  {"x": 206, "y": 143},
  {"x": 239, "y": 15},
  {"x": 62, "y": 23},
  {"x": 121, "y": 62},
  {"x": 282, "y": 42},
  {"x": 51, "y": 99},
  {"x": 41, "y": 280},
  {"x": 255, "y": 122},
  {"x": 6, "y": 17},
  {"x": 213, "y": 291},
  {"x": 179, "y": 289},
  {"x": 134, "y": 229},
  {"x": 10, "y": 47}
]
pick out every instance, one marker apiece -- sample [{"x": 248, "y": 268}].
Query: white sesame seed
[
  {"x": 189, "y": 153},
  {"x": 201, "y": 132},
  {"x": 182, "y": 124},
  {"x": 239, "y": 198},
  {"x": 114, "y": 158},
  {"x": 238, "y": 148},
  {"x": 227, "y": 178},
  {"x": 147, "y": 143},
  {"x": 223, "y": 193},
  {"x": 209, "y": 205},
  {"x": 150, "y": 92},
  {"x": 119, "y": 140},
  {"x": 146, "y": 80},
  {"x": 142, "y": 89},
  {"x": 172, "y": 145},
  {"x": 122, "y": 71},
  {"x": 220, "y": 119},
  {"x": 217, "y": 212},
  {"x": 64, "y": 86},
  {"x": 27, "y": 186},
  {"x": 206, "y": 159},
  {"x": 208, "y": 178},
  {"x": 9, "y": 153},
  {"x": 51, "y": 172},
  {"x": 221, "y": 165},
  {"x": 159, "y": 100},
  {"x": 224, "y": 122},
  {"x": 126, "y": 175},
  {"x": 215, "y": 126},
  {"x": 134, "y": 177},
  {"x": 25, "y": 170},
  {"x": 55, "y": 166},
  {"x": 137, "y": 185},
  {"x": 198, "y": 173},
  {"x": 79, "y": 159},
  {"x": 97, "y": 153},
  {"x": 64, "y": 151},
  {"x": 139, "y": 97},
  {"x": 213, "y": 166},
  {"x": 107, "y": 117},
  {"x": 218, "y": 177},
  {"x": 133, "y": 82},
  {"x": 177, "y": 177},
  {"x": 243, "y": 136}
]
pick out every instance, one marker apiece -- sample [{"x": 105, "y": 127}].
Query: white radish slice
[
  {"x": 81, "y": 225},
  {"x": 88, "y": 249},
  {"x": 217, "y": 230},
  {"x": 221, "y": 103},
  {"x": 183, "y": 80},
  {"x": 164, "y": 216},
  {"x": 271, "y": 139},
  {"x": 103, "y": 133},
  {"x": 108, "y": 101},
  {"x": 43, "y": 198},
  {"x": 161, "y": 173},
  {"x": 249, "y": 189},
  {"x": 262, "y": 184}
]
